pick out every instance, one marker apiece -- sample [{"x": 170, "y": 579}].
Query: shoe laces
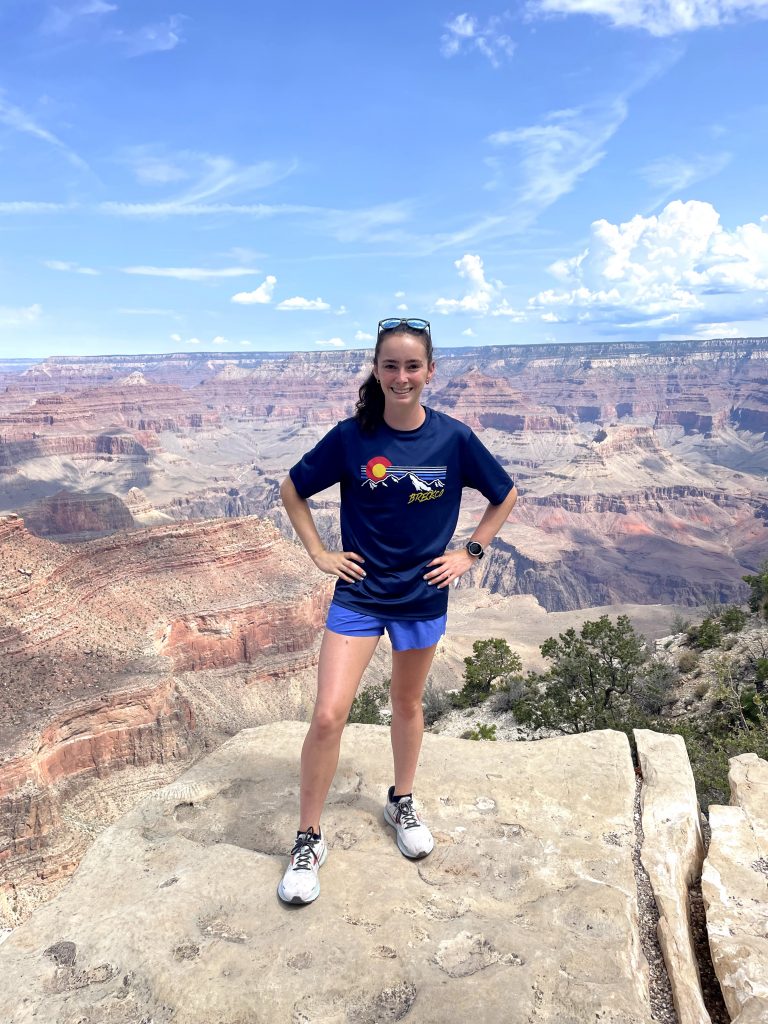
[
  {"x": 303, "y": 851},
  {"x": 406, "y": 813}
]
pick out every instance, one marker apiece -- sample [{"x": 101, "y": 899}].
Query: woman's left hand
[{"x": 449, "y": 567}]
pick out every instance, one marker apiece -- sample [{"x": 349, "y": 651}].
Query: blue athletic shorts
[{"x": 405, "y": 634}]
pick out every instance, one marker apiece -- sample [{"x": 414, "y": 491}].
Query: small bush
[
  {"x": 679, "y": 624},
  {"x": 733, "y": 619},
  {"x": 482, "y": 732},
  {"x": 687, "y": 662},
  {"x": 710, "y": 634},
  {"x": 701, "y": 690},
  {"x": 435, "y": 703},
  {"x": 367, "y": 705}
]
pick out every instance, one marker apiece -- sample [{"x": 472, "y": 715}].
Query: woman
[{"x": 402, "y": 467}]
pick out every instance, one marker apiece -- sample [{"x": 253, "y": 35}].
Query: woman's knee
[
  {"x": 328, "y": 722},
  {"x": 406, "y": 705}
]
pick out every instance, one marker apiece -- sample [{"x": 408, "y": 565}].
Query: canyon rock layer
[
  {"x": 135, "y": 651},
  {"x": 641, "y": 467}
]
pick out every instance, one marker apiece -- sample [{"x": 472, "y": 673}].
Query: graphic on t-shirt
[{"x": 380, "y": 471}]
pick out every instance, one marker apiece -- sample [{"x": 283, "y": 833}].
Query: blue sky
[{"x": 242, "y": 176}]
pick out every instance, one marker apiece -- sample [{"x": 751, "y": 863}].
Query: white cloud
[
  {"x": 15, "y": 118},
  {"x": 504, "y": 309},
  {"x": 399, "y": 295},
  {"x": 341, "y": 311},
  {"x": 73, "y": 268},
  {"x": 218, "y": 340},
  {"x": 245, "y": 342},
  {"x": 681, "y": 266},
  {"x": 658, "y": 17},
  {"x": 193, "y": 341},
  {"x": 363, "y": 336},
  {"x": 175, "y": 337},
  {"x": 673, "y": 175},
  {"x": 481, "y": 292},
  {"x": 552, "y": 156},
  {"x": 464, "y": 32},
  {"x": 331, "y": 343},
  {"x": 261, "y": 296},
  {"x": 20, "y": 316},
  {"x": 191, "y": 273},
  {"x": 469, "y": 333},
  {"x": 34, "y": 207},
  {"x": 402, "y": 308},
  {"x": 297, "y": 302},
  {"x": 158, "y": 37},
  {"x": 213, "y": 181},
  {"x": 60, "y": 19}
]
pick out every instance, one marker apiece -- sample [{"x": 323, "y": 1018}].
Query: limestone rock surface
[
  {"x": 526, "y": 911},
  {"x": 735, "y": 888},
  {"x": 672, "y": 854}
]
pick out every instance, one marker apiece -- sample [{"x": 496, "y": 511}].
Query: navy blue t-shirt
[{"x": 400, "y": 497}]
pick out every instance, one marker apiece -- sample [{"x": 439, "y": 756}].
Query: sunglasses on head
[{"x": 415, "y": 325}]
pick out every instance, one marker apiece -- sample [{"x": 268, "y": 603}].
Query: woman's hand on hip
[
  {"x": 449, "y": 567},
  {"x": 342, "y": 564}
]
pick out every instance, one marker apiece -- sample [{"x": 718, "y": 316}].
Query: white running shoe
[
  {"x": 300, "y": 883},
  {"x": 413, "y": 837}
]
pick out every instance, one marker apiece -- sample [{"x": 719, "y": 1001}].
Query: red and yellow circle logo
[{"x": 376, "y": 468}]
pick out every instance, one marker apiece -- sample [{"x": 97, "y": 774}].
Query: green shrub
[
  {"x": 482, "y": 732},
  {"x": 367, "y": 705},
  {"x": 491, "y": 661},
  {"x": 733, "y": 619},
  {"x": 710, "y": 634},
  {"x": 701, "y": 690},
  {"x": 758, "y": 599}
]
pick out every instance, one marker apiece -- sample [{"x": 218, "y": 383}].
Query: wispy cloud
[
  {"x": 261, "y": 296},
  {"x": 672, "y": 175},
  {"x": 658, "y": 17},
  {"x": 145, "y": 311},
  {"x": 15, "y": 118},
  {"x": 553, "y": 155},
  {"x": 331, "y": 343},
  {"x": 191, "y": 273},
  {"x": 363, "y": 336},
  {"x": 72, "y": 268},
  {"x": 35, "y": 207},
  {"x": 20, "y": 316},
  {"x": 465, "y": 33},
  {"x": 158, "y": 37},
  {"x": 61, "y": 18},
  {"x": 297, "y": 302}
]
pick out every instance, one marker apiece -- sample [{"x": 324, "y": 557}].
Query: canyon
[{"x": 153, "y": 600}]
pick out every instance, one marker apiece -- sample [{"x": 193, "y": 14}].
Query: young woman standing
[{"x": 401, "y": 467}]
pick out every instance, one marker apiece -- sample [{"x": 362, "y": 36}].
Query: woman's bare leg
[
  {"x": 343, "y": 659},
  {"x": 409, "y": 674}
]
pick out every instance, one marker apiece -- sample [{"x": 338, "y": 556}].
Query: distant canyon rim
[{"x": 153, "y": 600}]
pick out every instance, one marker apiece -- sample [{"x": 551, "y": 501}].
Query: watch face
[{"x": 474, "y": 548}]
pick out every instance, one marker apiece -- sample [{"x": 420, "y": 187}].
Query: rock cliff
[
  {"x": 527, "y": 910},
  {"x": 109, "y": 654}
]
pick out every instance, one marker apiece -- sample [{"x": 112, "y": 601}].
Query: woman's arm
[
  {"x": 452, "y": 564},
  {"x": 336, "y": 563}
]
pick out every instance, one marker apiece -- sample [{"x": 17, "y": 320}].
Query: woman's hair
[{"x": 369, "y": 410}]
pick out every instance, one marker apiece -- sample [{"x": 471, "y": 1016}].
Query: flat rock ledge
[
  {"x": 734, "y": 885},
  {"x": 526, "y": 911}
]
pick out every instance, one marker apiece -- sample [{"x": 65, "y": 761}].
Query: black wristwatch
[{"x": 475, "y": 549}]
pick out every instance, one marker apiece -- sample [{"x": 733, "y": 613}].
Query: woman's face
[{"x": 402, "y": 369}]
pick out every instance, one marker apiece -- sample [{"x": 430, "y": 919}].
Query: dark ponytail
[{"x": 369, "y": 410}]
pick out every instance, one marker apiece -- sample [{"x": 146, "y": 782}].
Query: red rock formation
[
  {"x": 76, "y": 515},
  {"x": 88, "y": 633}
]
